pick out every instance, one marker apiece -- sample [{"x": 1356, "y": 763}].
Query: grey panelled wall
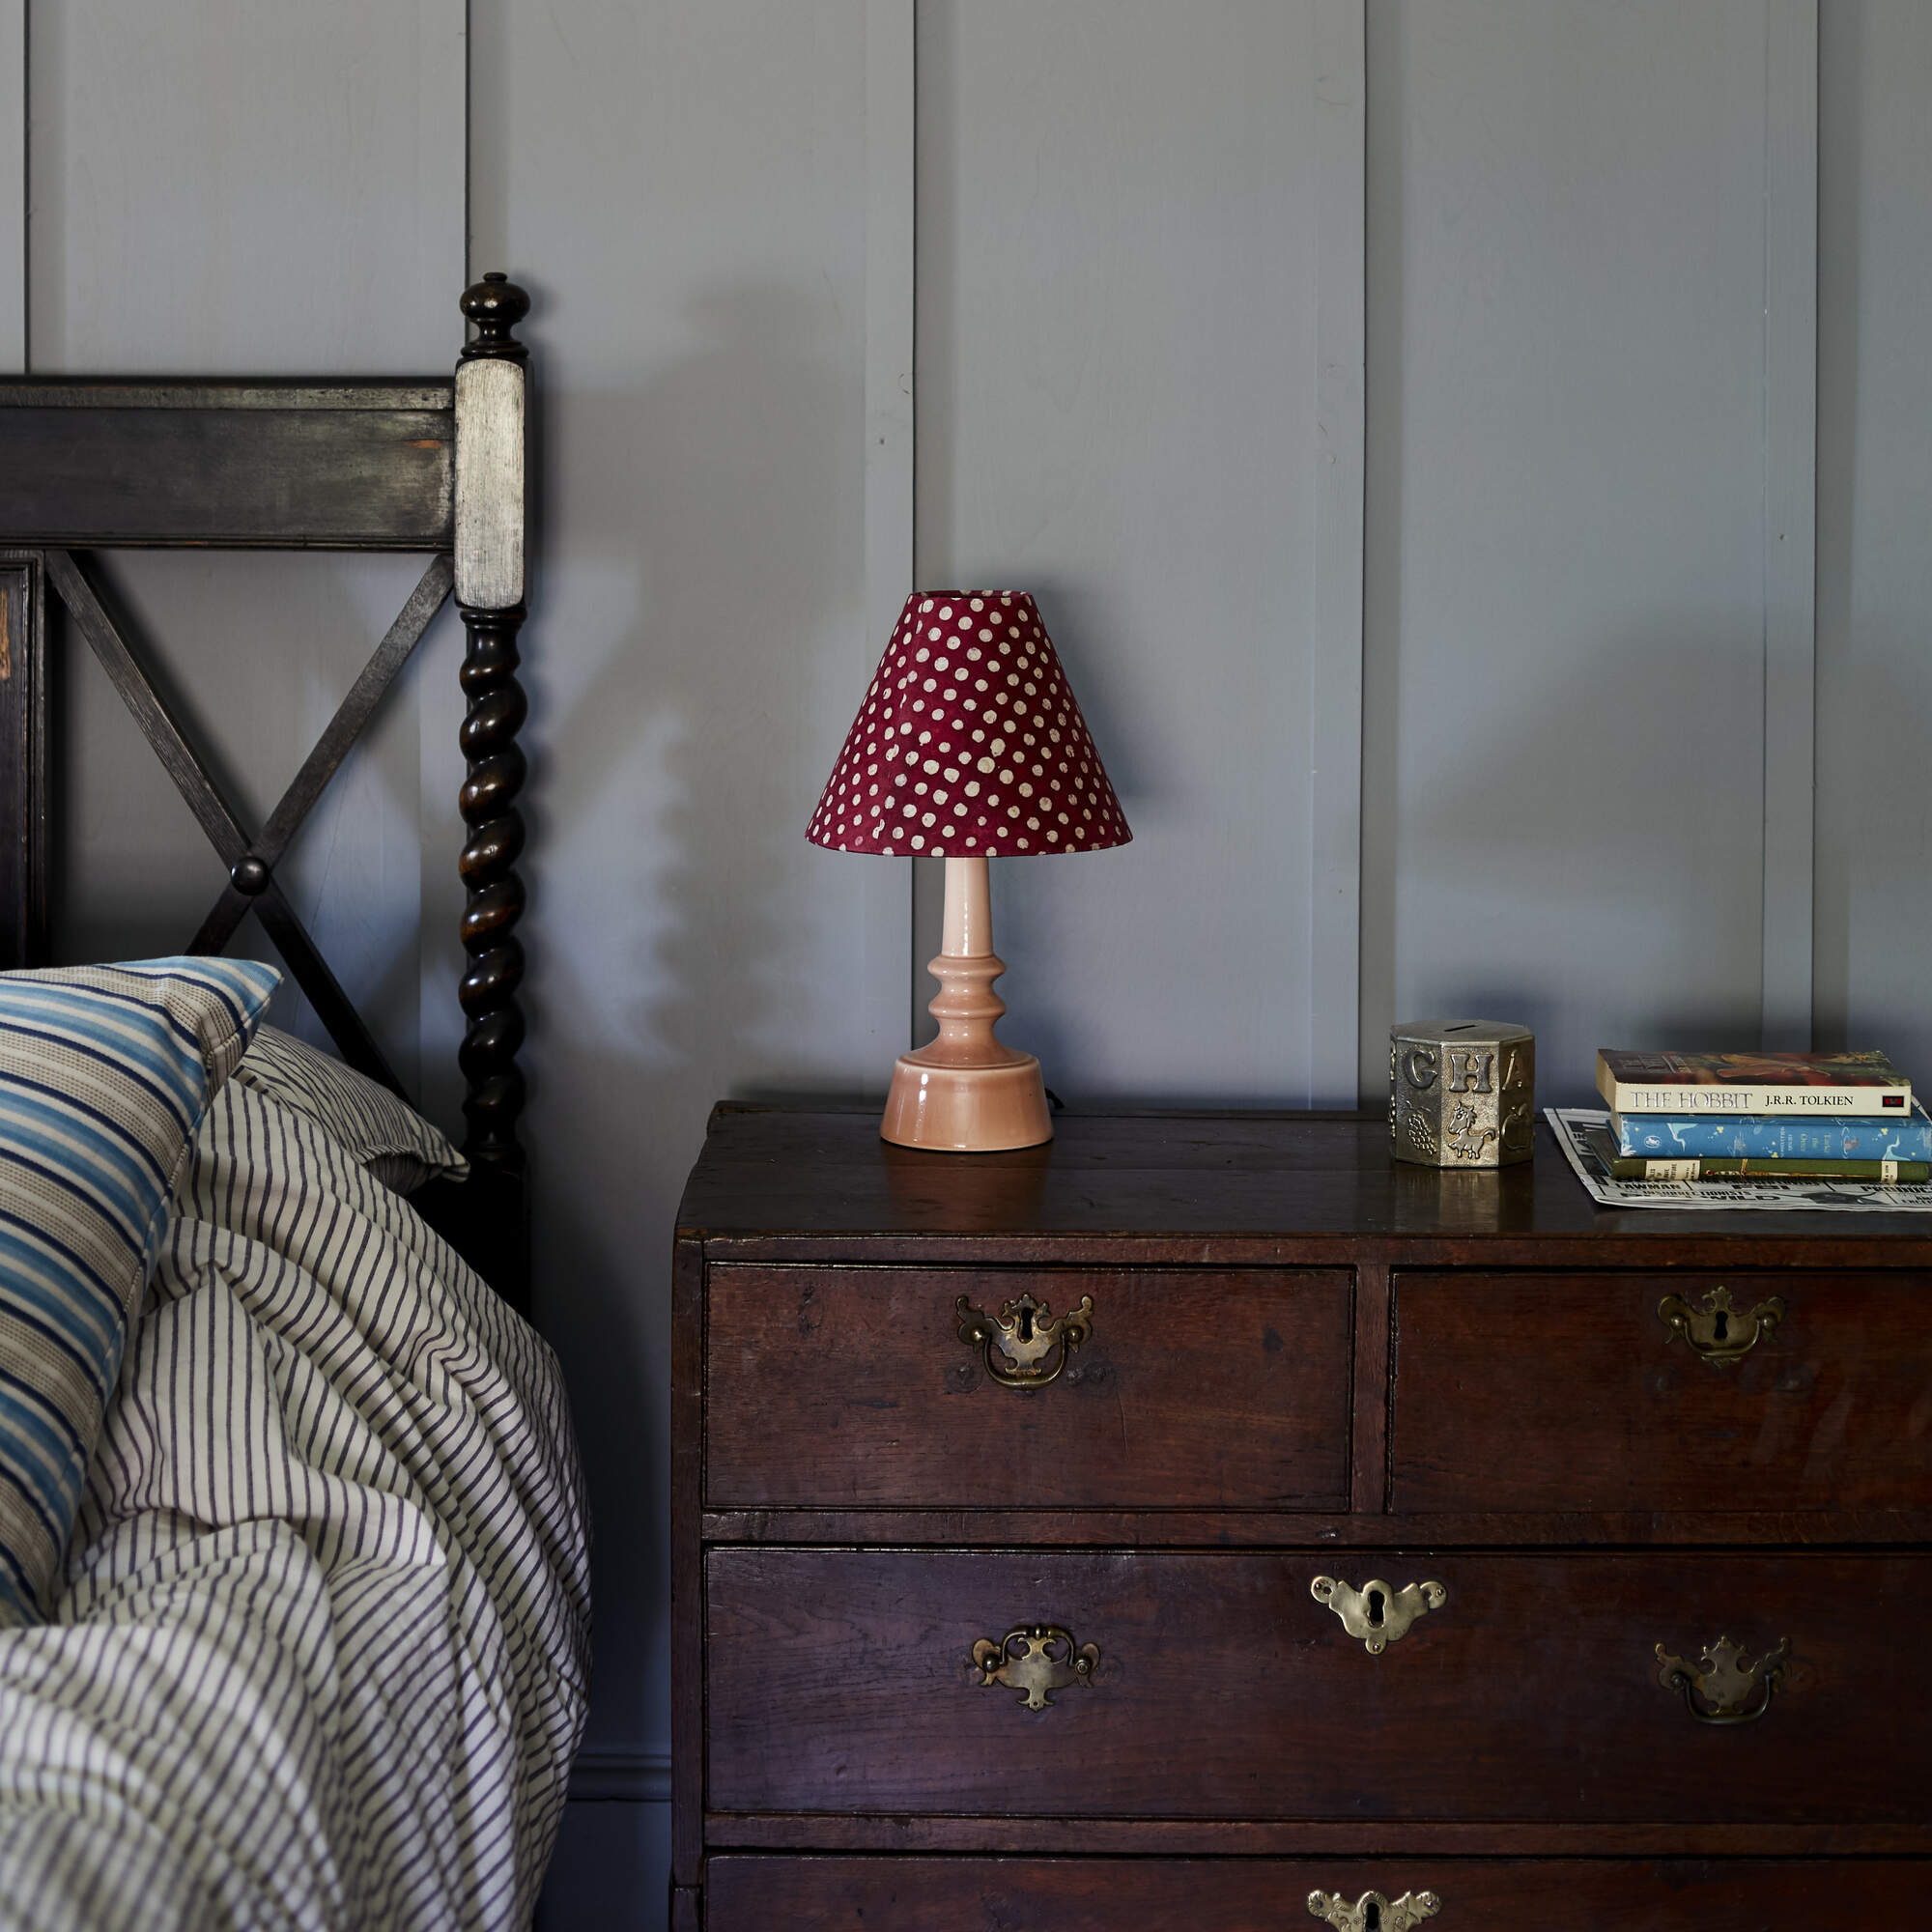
[
  {"x": 1875, "y": 525},
  {"x": 12, "y": 187},
  {"x": 1559, "y": 691},
  {"x": 260, "y": 189},
  {"x": 1568, "y": 590},
  {"x": 1120, "y": 278}
]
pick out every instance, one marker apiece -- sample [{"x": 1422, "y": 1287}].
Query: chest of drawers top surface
[{"x": 776, "y": 1182}]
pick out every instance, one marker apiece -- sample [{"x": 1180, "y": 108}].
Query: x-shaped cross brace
[{"x": 252, "y": 885}]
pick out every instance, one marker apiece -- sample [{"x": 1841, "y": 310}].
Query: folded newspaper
[{"x": 1844, "y": 1197}]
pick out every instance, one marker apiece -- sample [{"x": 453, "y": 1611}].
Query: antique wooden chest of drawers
[{"x": 1204, "y": 1520}]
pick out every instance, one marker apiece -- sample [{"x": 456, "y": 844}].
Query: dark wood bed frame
[{"x": 436, "y": 466}]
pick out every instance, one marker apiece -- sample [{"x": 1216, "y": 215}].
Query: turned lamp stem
[{"x": 967, "y": 1091}]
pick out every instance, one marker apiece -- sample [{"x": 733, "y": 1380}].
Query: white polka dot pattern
[{"x": 969, "y": 744}]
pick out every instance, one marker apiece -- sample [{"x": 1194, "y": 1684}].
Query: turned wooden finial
[{"x": 495, "y": 305}]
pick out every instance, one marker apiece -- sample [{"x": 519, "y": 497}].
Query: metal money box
[{"x": 1462, "y": 1093}]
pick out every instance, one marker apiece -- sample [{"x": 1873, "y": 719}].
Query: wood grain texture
[
  {"x": 1370, "y": 1406},
  {"x": 841, "y": 1680},
  {"x": 1197, "y": 1390},
  {"x": 264, "y": 474},
  {"x": 1204, "y": 1189},
  {"x": 489, "y": 485},
  {"x": 1393, "y": 1836},
  {"x": 23, "y": 823},
  {"x": 1070, "y": 1894},
  {"x": 1552, "y": 1392},
  {"x": 1260, "y": 1529},
  {"x": 1522, "y": 1430}
]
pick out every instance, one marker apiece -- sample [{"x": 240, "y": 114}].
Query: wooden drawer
[
  {"x": 1570, "y": 1392},
  {"x": 846, "y": 1387},
  {"x": 913, "y": 1894},
  {"x": 843, "y": 1682}
]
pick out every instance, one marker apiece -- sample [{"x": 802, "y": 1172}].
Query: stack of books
[{"x": 1759, "y": 1116}]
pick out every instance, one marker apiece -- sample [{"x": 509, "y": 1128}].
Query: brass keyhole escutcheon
[
  {"x": 1026, "y": 1345},
  {"x": 1035, "y": 1659},
  {"x": 1719, "y": 1333},
  {"x": 1378, "y": 1613},
  {"x": 1373, "y": 1911},
  {"x": 1725, "y": 1686}
]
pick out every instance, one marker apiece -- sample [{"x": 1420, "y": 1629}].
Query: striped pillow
[
  {"x": 389, "y": 1138},
  {"x": 105, "y": 1073}
]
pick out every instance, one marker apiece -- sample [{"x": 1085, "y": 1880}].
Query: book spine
[
  {"x": 1777, "y": 1137},
  {"x": 1718, "y": 1167},
  {"x": 1624, "y": 1096}
]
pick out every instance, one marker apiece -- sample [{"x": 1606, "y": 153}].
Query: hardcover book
[
  {"x": 1752, "y": 1083},
  {"x": 1776, "y": 1136},
  {"x": 1602, "y": 1144}
]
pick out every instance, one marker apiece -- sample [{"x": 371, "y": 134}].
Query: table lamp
[{"x": 969, "y": 747}]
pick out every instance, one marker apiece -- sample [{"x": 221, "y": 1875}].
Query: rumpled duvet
[{"x": 321, "y": 1653}]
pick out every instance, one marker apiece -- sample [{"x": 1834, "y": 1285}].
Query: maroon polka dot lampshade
[{"x": 969, "y": 744}]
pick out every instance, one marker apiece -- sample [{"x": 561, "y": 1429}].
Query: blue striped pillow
[{"x": 105, "y": 1073}]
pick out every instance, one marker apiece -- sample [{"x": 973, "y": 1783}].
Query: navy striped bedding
[
  {"x": 393, "y": 1141},
  {"x": 317, "y": 1653}
]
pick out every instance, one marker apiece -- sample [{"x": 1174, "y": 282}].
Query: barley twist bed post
[{"x": 491, "y": 396}]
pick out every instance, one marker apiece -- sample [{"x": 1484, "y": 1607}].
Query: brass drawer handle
[
  {"x": 1372, "y": 1911},
  {"x": 1033, "y": 1342},
  {"x": 1721, "y": 1693},
  {"x": 1046, "y": 1659},
  {"x": 1717, "y": 1333},
  {"x": 1377, "y": 1613}
]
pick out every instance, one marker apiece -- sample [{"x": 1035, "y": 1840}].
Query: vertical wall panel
[
  {"x": 685, "y": 190},
  {"x": 1338, "y": 104},
  {"x": 273, "y": 188},
  {"x": 1874, "y": 514},
  {"x": 12, "y": 186},
  {"x": 891, "y": 254},
  {"x": 1118, "y": 341},
  {"x": 1566, "y": 616},
  {"x": 1790, "y": 535}
]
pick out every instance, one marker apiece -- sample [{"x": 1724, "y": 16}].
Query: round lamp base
[{"x": 967, "y": 1109}]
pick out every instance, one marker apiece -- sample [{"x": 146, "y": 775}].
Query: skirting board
[{"x": 620, "y": 1778}]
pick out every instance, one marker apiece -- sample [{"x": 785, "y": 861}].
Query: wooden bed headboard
[{"x": 434, "y": 466}]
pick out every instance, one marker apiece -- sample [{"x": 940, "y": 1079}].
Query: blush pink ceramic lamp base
[{"x": 967, "y": 1092}]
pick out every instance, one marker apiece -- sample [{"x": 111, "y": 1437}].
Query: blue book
[{"x": 1776, "y": 1136}]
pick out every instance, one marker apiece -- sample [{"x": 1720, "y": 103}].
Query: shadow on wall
[{"x": 695, "y": 596}]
